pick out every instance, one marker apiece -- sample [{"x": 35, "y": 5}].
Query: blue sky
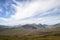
[{"x": 14, "y": 12}]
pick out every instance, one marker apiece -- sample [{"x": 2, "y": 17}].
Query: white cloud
[{"x": 29, "y": 9}]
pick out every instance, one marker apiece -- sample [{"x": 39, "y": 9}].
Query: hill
[{"x": 31, "y": 32}]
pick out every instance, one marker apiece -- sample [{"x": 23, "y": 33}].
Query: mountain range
[{"x": 29, "y": 29}]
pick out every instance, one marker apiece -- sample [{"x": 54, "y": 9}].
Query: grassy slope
[
  {"x": 48, "y": 34},
  {"x": 31, "y": 37}
]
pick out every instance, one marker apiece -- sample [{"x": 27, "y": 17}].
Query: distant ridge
[{"x": 28, "y": 29}]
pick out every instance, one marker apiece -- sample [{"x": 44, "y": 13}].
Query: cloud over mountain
[{"x": 31, "y": 11}]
